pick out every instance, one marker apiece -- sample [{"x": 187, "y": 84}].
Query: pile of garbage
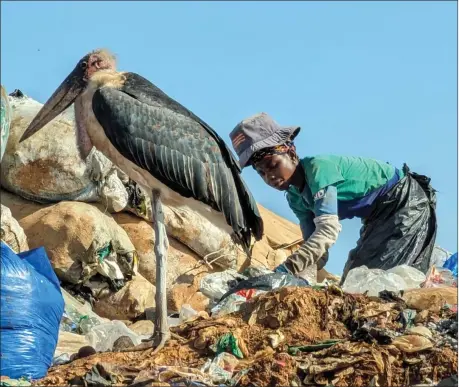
[{"x": 78, "y": 275}]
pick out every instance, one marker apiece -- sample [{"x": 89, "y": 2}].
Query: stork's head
[{"x": 71, "y": 88}]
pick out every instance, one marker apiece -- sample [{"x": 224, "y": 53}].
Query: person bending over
[{"x": 397, "y": 206}]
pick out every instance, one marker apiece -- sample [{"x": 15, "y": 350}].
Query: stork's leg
[{"x": 161, "y": 333}]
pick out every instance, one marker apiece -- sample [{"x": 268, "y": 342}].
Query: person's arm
[{"x": 324, "y": 234}]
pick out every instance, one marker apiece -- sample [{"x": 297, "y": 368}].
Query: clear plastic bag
[
  {"x": 186, "y": 312},
  {"x": 221, "y": 368},
  {"x": 103, "y": 336},
  {"x": 362, "y": 279},
  {"x": 412, "y": 276},
  {"x": 78, "y": 318}
]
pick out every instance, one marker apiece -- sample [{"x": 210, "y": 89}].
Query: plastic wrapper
[
  {"x": 439, "y": 277},
  {"x": 102, "y": 337},
  {"x": 215, "y": 285},
  {"x": 186, "y": 313},
  {"x": 230, "y": 304},
  {"x": 31, "y": 309},
  {"x": 61, "y": 359},
  {"x": 221, "y": 368}
]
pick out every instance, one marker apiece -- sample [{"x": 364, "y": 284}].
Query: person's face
[{"x": 277, "y": 170}]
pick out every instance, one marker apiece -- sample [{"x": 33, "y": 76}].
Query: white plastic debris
[
  {"x": 215, "y": 285},
  {"x": 362, "y": 279},
  {"x": 186, "y": 313},
  {"x": 439, "y": 256},
  {"x": 412, "y": 276}
]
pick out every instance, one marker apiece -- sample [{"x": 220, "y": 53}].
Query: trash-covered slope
[{"x": 362, "y": 340}]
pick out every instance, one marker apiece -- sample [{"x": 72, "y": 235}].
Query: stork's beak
[{"x": 61, "y": 99}]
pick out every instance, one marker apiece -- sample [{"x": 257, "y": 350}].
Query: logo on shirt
[{"x": 319, "y": 195}]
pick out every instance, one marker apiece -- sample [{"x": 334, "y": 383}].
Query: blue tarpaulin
[
  {"x": 451, "y": 264},
  {"x": 31, "y": 310}
]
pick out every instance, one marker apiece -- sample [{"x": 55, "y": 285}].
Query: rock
[
  {"x": 85, "y": 351},
  {"x": 129, "y": 302},
  {"x": 48, "y": 166},
  {"x": 81, "y": 241},
  {"x": 183, "y": 265},
  {"x": 142, "y": 327},
  {"x": 11, "y": 232},
  {"x": 430, "y": 299},
  {"x": 123, "y": 342}
]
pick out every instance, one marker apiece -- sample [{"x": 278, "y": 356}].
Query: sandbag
[
  {"x": 11, "y": 232},
  {"x": 182, "y": 263},
  {"x": 82, "y": 241},
  {"x": 48, "y": 168},
  {"x": 5, "y": 121},
  {"x": 31, "y": 309},
  {"x": 430, "y": 299},
  {"x": 400, "y": 230}
]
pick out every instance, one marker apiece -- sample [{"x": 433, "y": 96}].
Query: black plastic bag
[
  {"x": 400, "y": 230},
  {"x": 266, "y": 282}
]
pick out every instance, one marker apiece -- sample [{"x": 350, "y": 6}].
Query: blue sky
[{"x": 373, "y": 79}]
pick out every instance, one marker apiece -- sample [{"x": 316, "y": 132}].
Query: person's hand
[{"x": 283, "y": 269}]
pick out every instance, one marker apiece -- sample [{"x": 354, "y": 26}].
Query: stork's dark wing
[{"x": 176, "y": 147}]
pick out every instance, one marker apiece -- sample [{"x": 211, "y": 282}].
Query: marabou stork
[{"x": 159, "y": 144}]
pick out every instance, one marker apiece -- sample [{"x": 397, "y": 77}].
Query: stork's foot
[{"x": 158, "y": 340}]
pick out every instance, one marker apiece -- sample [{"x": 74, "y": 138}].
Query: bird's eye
[{"x": 84, "y": 64}]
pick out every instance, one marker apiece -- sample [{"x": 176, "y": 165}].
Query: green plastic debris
[
  {"x": 228, "y": 343},
  {"x": 104, "y": 252},
  {"x": 312, "y": 348}
]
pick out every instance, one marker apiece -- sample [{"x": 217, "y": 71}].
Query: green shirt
[{"x": 355, "y": 183}]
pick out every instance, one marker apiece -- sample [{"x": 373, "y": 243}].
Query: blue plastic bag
[
  {"x": 31, "y": 310},
  {"x": 451, "y": 264}
]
